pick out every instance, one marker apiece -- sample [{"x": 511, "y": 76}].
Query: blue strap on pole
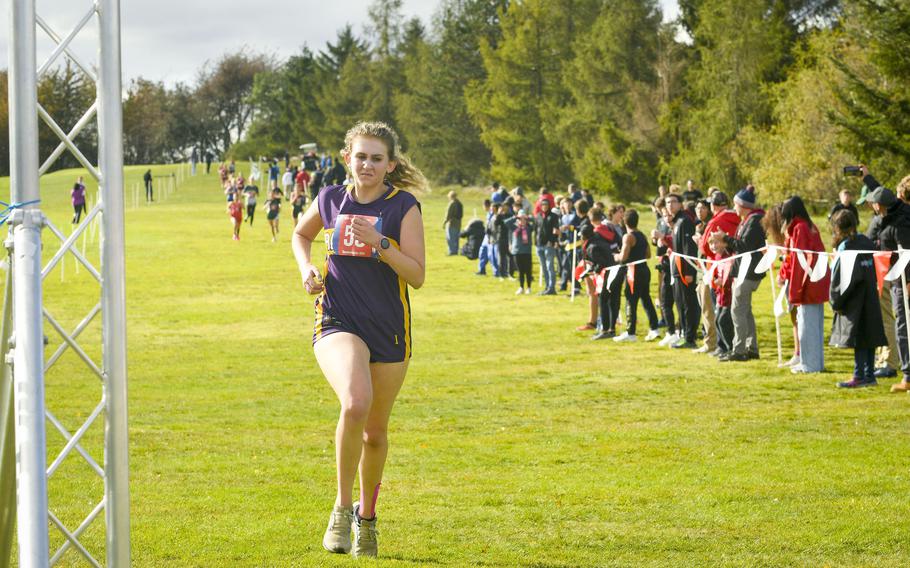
[{"x": 10, "y": 207}]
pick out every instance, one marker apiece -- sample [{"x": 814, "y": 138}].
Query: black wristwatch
[{"x": 384, "y": 243}]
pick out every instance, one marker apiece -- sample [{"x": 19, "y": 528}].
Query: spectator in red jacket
[
  {"x": 545, "y": 195},
  {"x": 809, "y": 297},
  {"x": 726, "y": 220}
]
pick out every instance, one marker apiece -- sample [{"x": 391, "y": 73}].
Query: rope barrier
[{"x": 10, "y": 207}]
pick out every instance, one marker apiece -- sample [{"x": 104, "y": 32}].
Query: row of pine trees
[{"x": 605, "y": 93}]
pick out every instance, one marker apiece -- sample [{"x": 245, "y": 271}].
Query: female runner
[{"x": 362, "y": 333}]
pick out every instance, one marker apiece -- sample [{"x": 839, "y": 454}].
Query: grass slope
[{"x": 515, "y": 441}]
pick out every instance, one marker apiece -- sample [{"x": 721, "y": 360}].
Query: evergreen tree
[
  {"x": 517, "y": 105},
  {"x": 145, "y": 119},
  {"x": 333, "y": 57},
  {"x": 385, "y": 67},
  {"x": 743, "y": 46},
  {"x": 432, "y": 111},
  {"x": 803, "y": 151},
  {"x": 341, "y": 89},
  {"x": 345, "y": 103},
  {"x": 875, "y": 101},
  {"x": 611, "y": 129},
  {"x": 286, "y": 110}
]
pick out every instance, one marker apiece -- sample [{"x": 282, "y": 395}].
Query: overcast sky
[{"x": 168, "y": 40}]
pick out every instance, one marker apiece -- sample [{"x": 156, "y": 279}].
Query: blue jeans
[
  {"x": 546, "y": 256},
  {"x": 487, "y": 256},
  {"x": 452, "y": 232},
  {"x": 810, "y": 322}
]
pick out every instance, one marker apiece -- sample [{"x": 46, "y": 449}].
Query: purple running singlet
[{"x": 362, "y": 294}]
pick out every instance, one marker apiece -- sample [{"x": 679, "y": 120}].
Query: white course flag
[
  {"x": 821, "y": 268},
  {"x": 611, "y": 275},
  {"x": 766, "y": 261},
  {"x": 744, "y": 263},
  {"x": 899, "y": 266},
  {"x": 709, "y": 273},
  {"x": 780, "y": 304},
  {"x": 817, "y": 272},
  {"x": 846, "y": 259}
]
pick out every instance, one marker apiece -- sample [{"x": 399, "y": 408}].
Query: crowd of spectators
[{"x": 711, "y": 252}]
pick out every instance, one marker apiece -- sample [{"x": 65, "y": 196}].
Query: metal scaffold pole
[
  {"x": 113, "y": 296},
  {"x": 22, "y": 399},
  {"x": 27, "y": 342}
]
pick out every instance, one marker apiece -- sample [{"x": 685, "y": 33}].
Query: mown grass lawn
[{"x": 515, "y": 442}]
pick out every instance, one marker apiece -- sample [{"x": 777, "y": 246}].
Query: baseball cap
[{"x": 883, "y": 196}]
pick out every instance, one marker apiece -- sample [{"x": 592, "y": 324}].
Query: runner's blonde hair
[{"x": 405, "y": 176}]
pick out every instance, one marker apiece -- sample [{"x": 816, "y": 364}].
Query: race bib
[{"x": 343, "y": 241}]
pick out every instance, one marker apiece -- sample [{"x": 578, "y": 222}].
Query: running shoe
[
  {"x": 652, "y": 335},
  {"x": 337, "y": 537},
  {"x": 365, "y": 535},
  {"x": 527, "y": 291},
  {"x": 795, "y": 360},
  {"x": 703, "y": 349},
  {"x": 624, "y": 336},
  {"x": 519, "y": 292}
]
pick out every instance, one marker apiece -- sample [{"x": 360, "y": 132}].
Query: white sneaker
[
  {"x": 519, "y": 292},
  {"x": 670, "y": 339},
  {"x": 337, "y": 537},
  {"x": 652, "y": 335},
  {"x": 663, "y": 342},
  {"x": 527, "y": 291},
  {"x": 795, "y": 360},
  {"x": 365, "y": 535},
  {"x": 703, "y": 349},
  {"x": 625, "y": 337},
  {"x": 798, "y": 369}
]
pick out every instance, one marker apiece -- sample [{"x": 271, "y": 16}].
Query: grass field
[{"x": 515, "y": 442}]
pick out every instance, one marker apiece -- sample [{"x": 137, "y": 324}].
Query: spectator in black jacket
[
  {"x": 684, "y": 273},
  {"x": 857, "y": 318},
  {"x": 599, "y": 249},
  {"x": 661, "y": 238},
  {"x": 750, "y": 237},
  {"x": 894, "y": 234},
  {"x": 569, "y": 221},
  {"x": 887, "y": 361},
  {"x": 474, "y": 233},
  {"x": 846, "y": 202},
  {"x": 452, "y": 223},
  {"x": 501, "y": 237},
  {"x": 547, "y": 223}
]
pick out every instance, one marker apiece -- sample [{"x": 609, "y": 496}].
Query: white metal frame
[{"x": 26, "y": 339}]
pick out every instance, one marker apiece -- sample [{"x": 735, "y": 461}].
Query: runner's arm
[{"x": 306, "y": 231}]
